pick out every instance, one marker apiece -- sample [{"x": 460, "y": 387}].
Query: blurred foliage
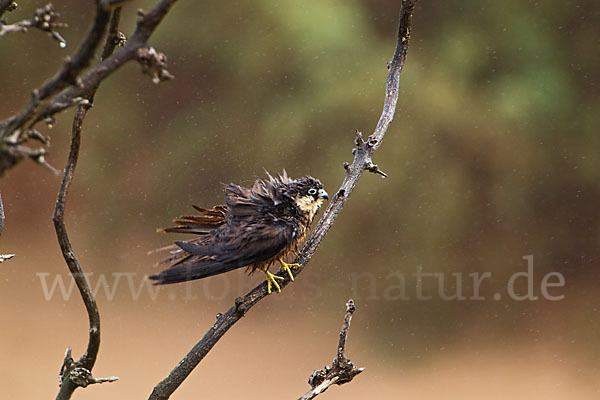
[{"x": 493, "y": 154}]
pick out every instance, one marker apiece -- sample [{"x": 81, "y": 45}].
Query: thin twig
[
  {"x": 350, "y": 308},
  {"x": 69, "y": 368},
  {"x": 114, "y": 38},
  {"x": 44, "y": 19},
  {"x": 341, "y": 370},
  {"x": 362, "y": 159},
  {"x": 1, "y": 215},
  {"x": 3, "y": 257},
  {"x": 78, "y": 374}
]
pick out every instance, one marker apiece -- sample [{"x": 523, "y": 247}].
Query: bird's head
[{"x": 308, "y": 194}]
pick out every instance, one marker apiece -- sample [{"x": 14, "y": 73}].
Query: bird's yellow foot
[
  {"x": 272, "y": 280},
  {"x": 286, "y": 267}
]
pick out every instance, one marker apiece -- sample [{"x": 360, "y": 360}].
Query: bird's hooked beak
[{"x": 323, "y": 194}]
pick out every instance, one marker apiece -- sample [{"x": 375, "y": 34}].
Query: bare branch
[
  {"x": 145, "y": 27},
  {"x": 67, "y": 88},
  {"x": 341, "y": 370},
  {"x": 74, "y": 374},
  {"x": 44, "y": 19},
  {"x": 68, "y": 73},
  {"x": 362, "y": 159},
  {"x": 87, "y": 361}
]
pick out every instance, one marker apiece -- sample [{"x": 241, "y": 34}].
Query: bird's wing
[
  {"x": 248, "y": 202},
  {"x": 239, "y": 247}
]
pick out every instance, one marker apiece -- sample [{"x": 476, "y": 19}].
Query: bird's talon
[
  {"x": 286, "y": 267},
  {"x": 272, "y": 280}
]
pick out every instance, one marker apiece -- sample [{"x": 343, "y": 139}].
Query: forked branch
[
  {"x": 341, "y": 369},
  {"x": 362, "y": 161}
]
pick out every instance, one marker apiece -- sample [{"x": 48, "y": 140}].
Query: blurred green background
[{"x": 493, "y": 156}]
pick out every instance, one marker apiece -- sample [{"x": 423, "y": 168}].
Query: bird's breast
[{"x": 308, "y": 206}]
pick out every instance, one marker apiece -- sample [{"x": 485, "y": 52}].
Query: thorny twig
[
  {"x": 362, "y": 160},
  {"x": 341, "y": 370}
]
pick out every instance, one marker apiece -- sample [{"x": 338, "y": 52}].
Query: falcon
[{"x": 256, "y": 227}]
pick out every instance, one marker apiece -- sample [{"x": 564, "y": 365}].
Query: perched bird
[{"x": 255, "y": 227}]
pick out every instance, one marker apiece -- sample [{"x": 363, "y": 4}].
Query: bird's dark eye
[{"x": 312, "y": 191}]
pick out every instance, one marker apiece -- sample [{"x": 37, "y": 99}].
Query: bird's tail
[{"x": 190, "y": 271}]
